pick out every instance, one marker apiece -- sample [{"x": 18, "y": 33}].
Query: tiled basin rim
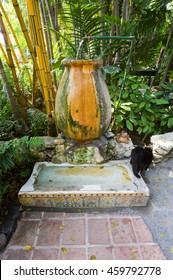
[{"x": 66, "y": 185}]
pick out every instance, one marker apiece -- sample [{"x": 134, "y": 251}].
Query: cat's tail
[{"x": 136, "y": 172}]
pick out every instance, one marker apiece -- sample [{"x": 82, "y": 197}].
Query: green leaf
[
  {"x": 125, "y": 94},
  {"x": 135, "y": 86},
  {"x": 142, "y": 104},
  {"x": 144, "y": 119},
  {"x": 149, "y": 110},
  {"x": 139, "y": 130},
  {"x": 144, "y": 86},
  {"x": 163, "y": 123},
  {"x": 145, "y": 129},
  {"x": 133, "y": 97},
  {"x": 170, "y": 122},
  {"x": 161, "y": 101},
  {"x": 119, "y": 118},
  {"x": 129, "y": 125}
]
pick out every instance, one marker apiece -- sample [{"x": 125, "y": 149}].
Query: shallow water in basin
[{"x": 76, "y": 177}]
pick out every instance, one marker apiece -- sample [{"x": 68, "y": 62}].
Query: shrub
[{"x": 15, "y": 153}]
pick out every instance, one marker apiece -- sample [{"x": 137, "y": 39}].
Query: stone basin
[{"x": 68, "y": 186}]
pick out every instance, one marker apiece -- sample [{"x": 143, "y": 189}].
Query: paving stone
[
  {"x": 142, "y": 232},
  {"x": 50, "y": 233},
  {"x": 100, "y": 253},
  {"x": 122, "y": 230},
  {"x": 98, "y": 231},
  {"x": 31, "y": 215},
  {"x": 18, "y": 254},
  {"x": 53, "y": 215},
  {"x": 72, "y": 236},
  {"x": 152, "y": 252},
  {"x": 25, "y": 233},
  {"x": 45, "y": 254},
  {"x": 73, "y": 254},
  {"x": 74, "y": 232},
  {"x": 127, "y": 253}
]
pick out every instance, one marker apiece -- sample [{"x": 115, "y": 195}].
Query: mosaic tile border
[{"x": 89, "y": 200}]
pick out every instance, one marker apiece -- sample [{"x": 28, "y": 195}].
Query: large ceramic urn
[{"x": 83, "y": 106}]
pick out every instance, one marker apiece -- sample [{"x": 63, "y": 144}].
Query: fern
[
  {"x": 15, "y": 153},
  {"x": 81, "y": 20}
]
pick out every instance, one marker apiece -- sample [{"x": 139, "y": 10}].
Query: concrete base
[{"x": 65, "y": 185}]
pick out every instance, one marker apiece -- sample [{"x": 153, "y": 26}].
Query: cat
[{"x": 141, "y": 158}]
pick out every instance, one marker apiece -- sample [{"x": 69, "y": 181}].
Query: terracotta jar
[{"x": 83, "y": 106}]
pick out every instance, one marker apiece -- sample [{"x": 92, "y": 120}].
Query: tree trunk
[
  {"x": 53, "y": 16},
  {"x": 169, "y": 68},
  {"x": 125, "y": 9},
  {"x": 115, "y": 30},
  {"x": 10, "y": 94},
  {"x": 48, "y": 39},
  {"x": 20, "y": 97}
]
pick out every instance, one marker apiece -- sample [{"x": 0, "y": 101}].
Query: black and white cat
[{"x": 141, "y": 158}]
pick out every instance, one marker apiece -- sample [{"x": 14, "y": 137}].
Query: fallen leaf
[
  {"x": 159, "y": 179},
  {"x": 156, "y": 188},
  {"x": 171, "y": 250},
  {"x": 152, "y": 217},
  {"x": 133, "y": 254},
  {"x": 61, "y": 227},
  {"x": 64, "y": 250},
  {"x": 113, "y": 224},
  {"x": 93, "y": 257},
  {"x": 28, "y": 247},
  {"x": 162, "y": 235},
  {"x": 170, "y": 187},
  {"x": 153, "y": 204},
  {"x": 72, "y": 238}
]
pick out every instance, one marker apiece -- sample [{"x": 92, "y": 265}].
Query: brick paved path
[{"x": 72, "y": 236}]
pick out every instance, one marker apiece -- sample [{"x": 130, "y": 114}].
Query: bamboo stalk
[
  {"x": 28, "y": 41},
  {"x": 45, "y": 54},
  {"x": 12, "y": 49},
  {"x": 4, "y": 53},
  {"x": 20, "y": 96},
  {"x": 35, "y": 35},
  {"x": 26, "y": 35},
  {"x": 16, "y": 40}
]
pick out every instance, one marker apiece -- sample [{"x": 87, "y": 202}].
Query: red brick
[
  {"x": 25, "y": 233},
  {"x": 50, "y": 233},
  {"x": 73, "y": 254},
  {"x": 152, "y": 252},
  {"x": 100, "y": 253},
  {"x": 143, "y": 234},
  {"x": 18, "y": 254},
  {"x": 45, "y": 254},
  {"x": 122, "y": 231},
  {"x": 98, "y": 231},
  {"x": 74, "y": 232},
  {"x": 127, "y": 253}
]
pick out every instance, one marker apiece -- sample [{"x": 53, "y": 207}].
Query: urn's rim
[{"x": 69, "y": 62}]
